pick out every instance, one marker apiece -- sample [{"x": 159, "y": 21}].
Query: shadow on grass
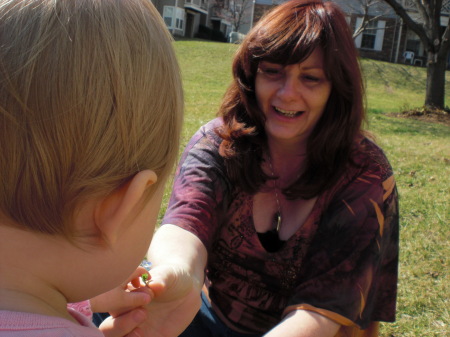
[{"x": 381, "y": 122}]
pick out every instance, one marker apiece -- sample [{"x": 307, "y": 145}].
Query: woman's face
[{"x": 292, "y": 97}]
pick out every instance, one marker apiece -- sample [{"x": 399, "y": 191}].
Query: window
[
  {"x": 369, "y": 35},
  {"x": 174, "y": 17},
  {"x": 180, "y": 18},
  {"x": 168, "y": 16},
  {"x": 372, "y": 37}
]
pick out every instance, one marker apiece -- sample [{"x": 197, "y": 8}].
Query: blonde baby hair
[{"x": 90, "y": 94}]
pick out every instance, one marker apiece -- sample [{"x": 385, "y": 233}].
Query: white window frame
[
  {"x": 168, "y": 16},
  {"x": 174, "y": 17},
  {"x": 348, "y": 19},
  {"x": 179, "y": 18},
  {"x": 378, "y": 32}
]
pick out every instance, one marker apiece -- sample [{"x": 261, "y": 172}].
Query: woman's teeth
[{"x": 287, "y": 113}]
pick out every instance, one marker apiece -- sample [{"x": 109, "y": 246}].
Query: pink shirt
[{"x": 23, "y": 324}]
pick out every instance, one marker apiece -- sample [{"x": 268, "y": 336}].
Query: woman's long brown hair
[{"x": 288, "y": 35}]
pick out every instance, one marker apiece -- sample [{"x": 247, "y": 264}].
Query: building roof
[
  {"x": 269, "y": 2},
  {"x": 357, "y": 7},
  {"x": 378, "y": 8}
]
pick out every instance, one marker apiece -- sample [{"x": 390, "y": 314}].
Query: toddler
[{"x": 90, "y": 116}]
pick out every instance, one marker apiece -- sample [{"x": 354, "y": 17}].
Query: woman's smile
[
  {"x": 292, "y": 97},
  {"x": 287, "y": 113}
]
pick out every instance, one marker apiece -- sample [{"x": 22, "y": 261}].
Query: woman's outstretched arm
[{"x": 178, "y": 262}]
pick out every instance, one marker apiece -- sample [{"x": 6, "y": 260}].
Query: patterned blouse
[{"x": 341, "y": 263}]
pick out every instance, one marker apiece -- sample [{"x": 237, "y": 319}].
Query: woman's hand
[
  {"x": 126, "y": 325},
  {"x": 178, "y": 262},
  {"x": 176, "y": 302}
]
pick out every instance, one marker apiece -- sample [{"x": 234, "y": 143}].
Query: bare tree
[
  {"x": 239, "y": 13},
  {"x": 236, "y": 12},
  {"x": 435, "y": 38},
  {"x": 370, "y": 10}
]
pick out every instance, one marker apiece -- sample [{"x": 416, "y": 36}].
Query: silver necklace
[
  {"x": 277, "y": 216},
  {"x": 270, "y": 239}
]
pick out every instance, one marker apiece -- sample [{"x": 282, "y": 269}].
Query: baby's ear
[{"x": 115, "y": 209}]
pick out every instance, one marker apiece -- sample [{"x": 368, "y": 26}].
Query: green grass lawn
[{"x": 418, "y": 151}]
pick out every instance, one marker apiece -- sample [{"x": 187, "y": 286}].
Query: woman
[{"x": 283, "y": 202}]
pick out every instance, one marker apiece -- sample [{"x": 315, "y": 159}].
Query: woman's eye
[
  {"x": 271, "y": 71},
  {"x": 310, "y": 78}
]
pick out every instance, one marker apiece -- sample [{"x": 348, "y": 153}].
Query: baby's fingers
[
  {"x": 134, "y": 278},
  {"x": 132, "y": 300}
]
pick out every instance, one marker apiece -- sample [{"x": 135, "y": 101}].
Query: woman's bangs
[
  {"x": 289, "y": 52},
  {"x": 289, "y": 45}
]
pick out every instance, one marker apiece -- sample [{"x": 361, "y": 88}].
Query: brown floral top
[{"x": 342, "y": 263}]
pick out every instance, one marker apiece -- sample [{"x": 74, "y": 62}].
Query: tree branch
[
  {"x": 424, "y": 11},
  {"x": 415, "y": 27},
  {"x": 445, "y": 43},
  {"x": 366, "y": 19}
]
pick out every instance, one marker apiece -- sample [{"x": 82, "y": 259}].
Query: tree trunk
[{"x": 435, "y": 92}]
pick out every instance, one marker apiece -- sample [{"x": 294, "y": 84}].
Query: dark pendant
[{"x": 270, "y": 239}]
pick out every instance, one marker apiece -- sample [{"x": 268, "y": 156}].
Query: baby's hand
[
  {"x": 128, "y": 296},
  {"x": 125, "y": 305}
]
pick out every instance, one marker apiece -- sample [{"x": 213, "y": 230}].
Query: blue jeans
[{"x": 207, "y": 324}]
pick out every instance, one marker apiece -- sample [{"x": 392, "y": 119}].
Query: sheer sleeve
[
  {"x": 83, "y": 307},
  {"x": 350, "y": 271},
  {"x": 201, "y": 189}
]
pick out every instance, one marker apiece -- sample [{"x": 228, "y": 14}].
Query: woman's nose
[{"x": 290, "y": 89}]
